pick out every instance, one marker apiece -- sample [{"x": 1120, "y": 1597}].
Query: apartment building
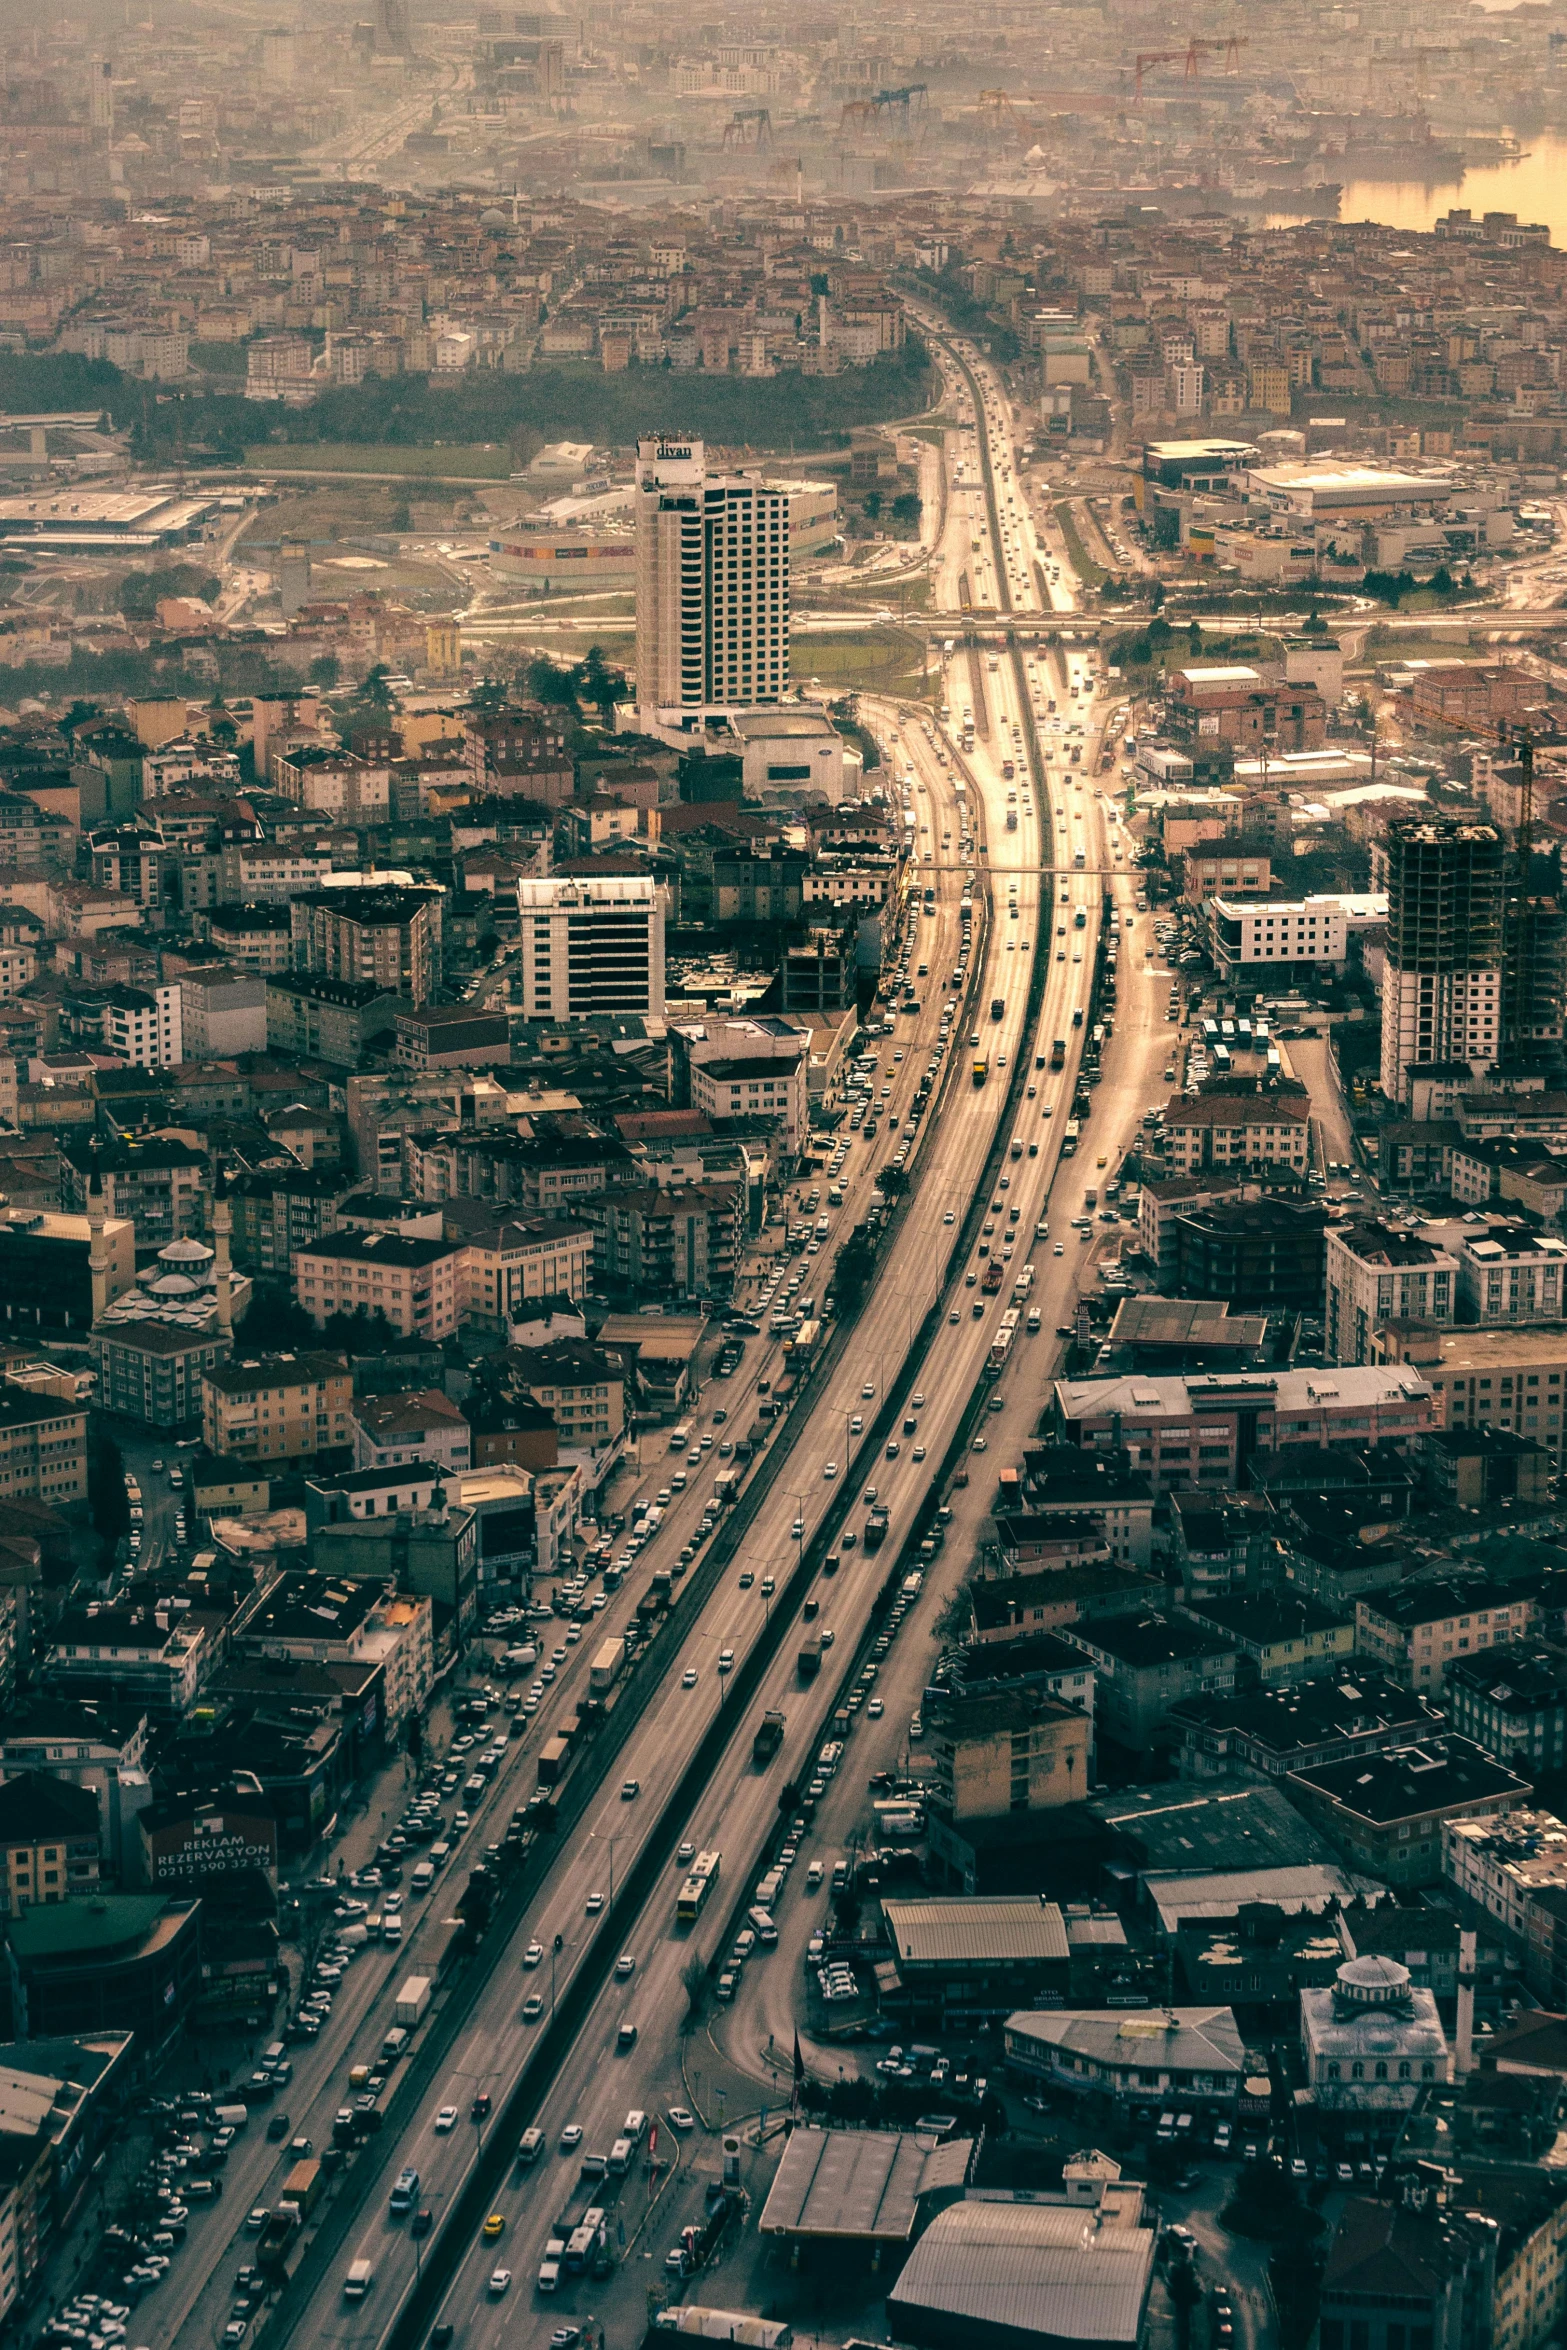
[
  {"x": 1442, "y": 979},
  {"x": 676, "y": 1240},
  {"x": 1514, "y": 1870},
  {"x": 43, "y": 1448},
  {"x": 1145, "y": 1663},
  {"x": 582, "y": 1386},
  {"x": 1507, "y": 1277},
  {"x": 751, "y": 1085},
  {"x": 158, "y": 1184},
  {"x": 1512, "y": 1701},
  {"x": 1017, "y": 1750},
  {"x": 1386, "y": 1812},
  {"x": 1416, "y": 1630},
  {"x": 155, "y": 1657},
  {"x": 144, "y": 1026},
  {"x": 1377, "y": 1273},
  {"x": 256, "y": 939},
  {"x": 389, "y": 936},
  {"x": 331, "y": 1619},
  {"x": 222, "y": 1012},
  {"x": 1236, "y": 1130},
  {"x": 49, "y": 1841},
  {"x": 416, "y": 1284},
  {"x": 277, "y": 1407}
]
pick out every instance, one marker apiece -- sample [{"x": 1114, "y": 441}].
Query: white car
[
  {"x": 446, "y": 2119},
  {"x": 829, "y": 1470},
  {"x": 682, "y": 2120},
  {"x": 532, "y": 1955},
  {"x": 500, "y": 2282}
]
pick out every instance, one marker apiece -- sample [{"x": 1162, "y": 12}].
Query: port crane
[
  {"x": 909, "y": 102},
  {"x": 751, "y": 128},
  {"x": 1189, "y": 58}
]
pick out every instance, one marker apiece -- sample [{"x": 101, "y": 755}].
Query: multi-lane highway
[{"x": 1039, "y": 839}]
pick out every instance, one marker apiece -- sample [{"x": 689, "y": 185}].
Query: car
[
  {"x": 257, "y": 2219},
  {"x": 875, "y": 1709},
  {"x": 681, "y": 2119},
  {"x": 594, "y": 1904},
  {"x": 482, "y": 2107},
  {"x": 494, "y": 2226},
  {"x": 688, "y": 1677},
  {"x": 747, "y": 1579},
  {"x": 868, "y": 1390},
  {"x": 500, "y": 2282},
  {"x": 726, "y": 1659},
  {"x": 630, "y": 1789},
  {"x": 570, "y": 2136},
  {"x": 949, "y": 1217},
  {"x": 533, "y": 2007},
  {"x": 978, "y": 1445},
  {"x": 685, "y": 1851},
  {"x": 446, "y": 2119},
  {"x": 532, "y": 1955},
  {"x": 234, "y": 2331},
  {"x": 564, "y": 2336},
  {"x": 625, "y": 1966}
]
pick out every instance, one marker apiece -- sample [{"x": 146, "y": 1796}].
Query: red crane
[{"x": 1187, "y": 58}]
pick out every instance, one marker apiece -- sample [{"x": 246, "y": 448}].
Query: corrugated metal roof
[
  {"x": 1046, "y": 2271},
  {"x": 998, "y": 1931},
  {"x": 1175, "y": 2039},
  {"x": 863, "y": 2185}
]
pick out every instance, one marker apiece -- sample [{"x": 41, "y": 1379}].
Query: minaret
[
  {"x": 222, "y": 1227},
  {"x": 1464, "y": 2053},
  {"x": 97, "y": 1254}
]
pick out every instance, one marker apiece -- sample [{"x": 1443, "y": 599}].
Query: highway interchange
[{"x": 923, "y": 1296}]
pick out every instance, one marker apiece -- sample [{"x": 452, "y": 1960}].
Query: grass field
[
  {"x": 873, "y": 660},
  {"x": 1088, "y": 571},
  {"x": 459, "y": 461}
]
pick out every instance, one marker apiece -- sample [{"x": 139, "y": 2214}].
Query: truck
[
  {"x": 606, "y": 1668},
  {"x": 804, "y": 1341},
  {"x": 301, "y": 2188},
  {"x": 680, "y": 1437},
  {"x": 725, "y": 2325},
  {"x": 875, "y": 1529},
  {"x": 998, "y": 1005},
  {"x": 751, "y": 1443},
  {"x": 809, "y": 1660},
  {"x": 412, "y": 2000},
  {"x": 769, "y": 1736},
  {"x": 981, "y": 1071},
  {"x": 1000, "y": 1345},
  {"x": 1058, "y": 1053},
  {"x": 278, "y": 2237},
  {"x": 553, "y": 1755},
  {"x": 1023, "y": 1284},
  {"x": 726, "y": 1485},
  {"x": 994, "y": 1276}
]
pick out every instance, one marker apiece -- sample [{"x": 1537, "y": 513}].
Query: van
[
  {"x": 439, "y": 1854},
  {"x": 391, "y": 1931},
  {"x": 634, "y": 2126},
  {"x": 273, "y": 2055},
  {"x": 531, "y": 2146},
  {"x": 358, "y": 2281},
  {"x": 231, "y": 2117},
  {"x": 620, "y": 2158},
  {"x": 423, "y": 1877},
  {"x": 395, "y": 2044},
  {"x": 201, "y": 2190},
  {"x": 762, "y": 1927},
  {"x": 549, "y": 2267}
]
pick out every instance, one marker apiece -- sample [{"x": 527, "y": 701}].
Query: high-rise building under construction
[{"x": 1442, "y": 988}]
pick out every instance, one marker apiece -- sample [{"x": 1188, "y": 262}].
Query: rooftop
[
  {"x": 1442, "y": 1775},
  {"x": 1041, "y": 2272},
  {"x": 995, "y": 1931},
  {"x": 861, "y": 2186}
]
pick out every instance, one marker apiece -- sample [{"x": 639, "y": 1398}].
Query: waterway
[{"x": 1533, "y": 185}]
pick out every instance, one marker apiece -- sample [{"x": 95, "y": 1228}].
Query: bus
[
  {"x": 699, "y": 1883},
  {"x": 1069, "y": 1138}
]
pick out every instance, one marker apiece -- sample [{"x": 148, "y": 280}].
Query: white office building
[
  {"x": 592, "y": 944},
  {"x": 712, "y": 583}
]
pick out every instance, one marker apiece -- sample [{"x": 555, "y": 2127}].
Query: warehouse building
[
  {"x": 991, "y": 2273},
  {"x": 873, "y": 2188}
]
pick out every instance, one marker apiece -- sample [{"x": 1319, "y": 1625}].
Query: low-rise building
[
  {"x": 1268, "y": 1733},
  {"x": 667, "y": 1240},
  {"x": 581, "y": 1385},
  {"x": 508, "y": 1259},
  {"x": 1377, "y": 1273},
  {"x": 1513, "y": 1870},
  {"x": 1016, "y": 1750},
  {"x": 1511, "y": 1379},
  {"x": 1186, "y": 2057},
  {"x": 1385, "y": 1812},
  {"x": 335, "y": 1619},
  {"x": 1204, "y": 1429},
  {"x": 980, "y": 1954},
  {"x": 392, "y": 1430},
  {"x": 1224, "y": 1129},
  {"x": 1421, "y": 2264},
  {"x": 1276, "y": 933},
  {"x": 313, "y": 1017},
  {"x": 43, "y": 1448},
  {"x": 120, "y": 1962}
]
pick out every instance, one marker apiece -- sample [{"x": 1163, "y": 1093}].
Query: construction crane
[
  {"x": 1188, "y": 58},
  {"x": 751, "y": 129}
]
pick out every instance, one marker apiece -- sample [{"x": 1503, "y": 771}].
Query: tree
[
  {"x": 361, "y": 1332},
  {"x": 907, "y": 507},
  {"x": 107, "y": 1502},
  {"x": 693, "y": 1982},
  {"x": 597, "y": 683},
  {"x": 551, "y": 683},
  {"x": 401, "y": 516},
  {"x": 324, "y": 670},
  {"x": 80, "y": 714},
  {"x": 375, "y": 689},
  {"x": 872, "y": 505},
  {"x": 489, "y": 696},
  {"x": 1194, "y": 637}
]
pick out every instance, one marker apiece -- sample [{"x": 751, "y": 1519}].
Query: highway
[{"x": 828, "y": 1471}]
